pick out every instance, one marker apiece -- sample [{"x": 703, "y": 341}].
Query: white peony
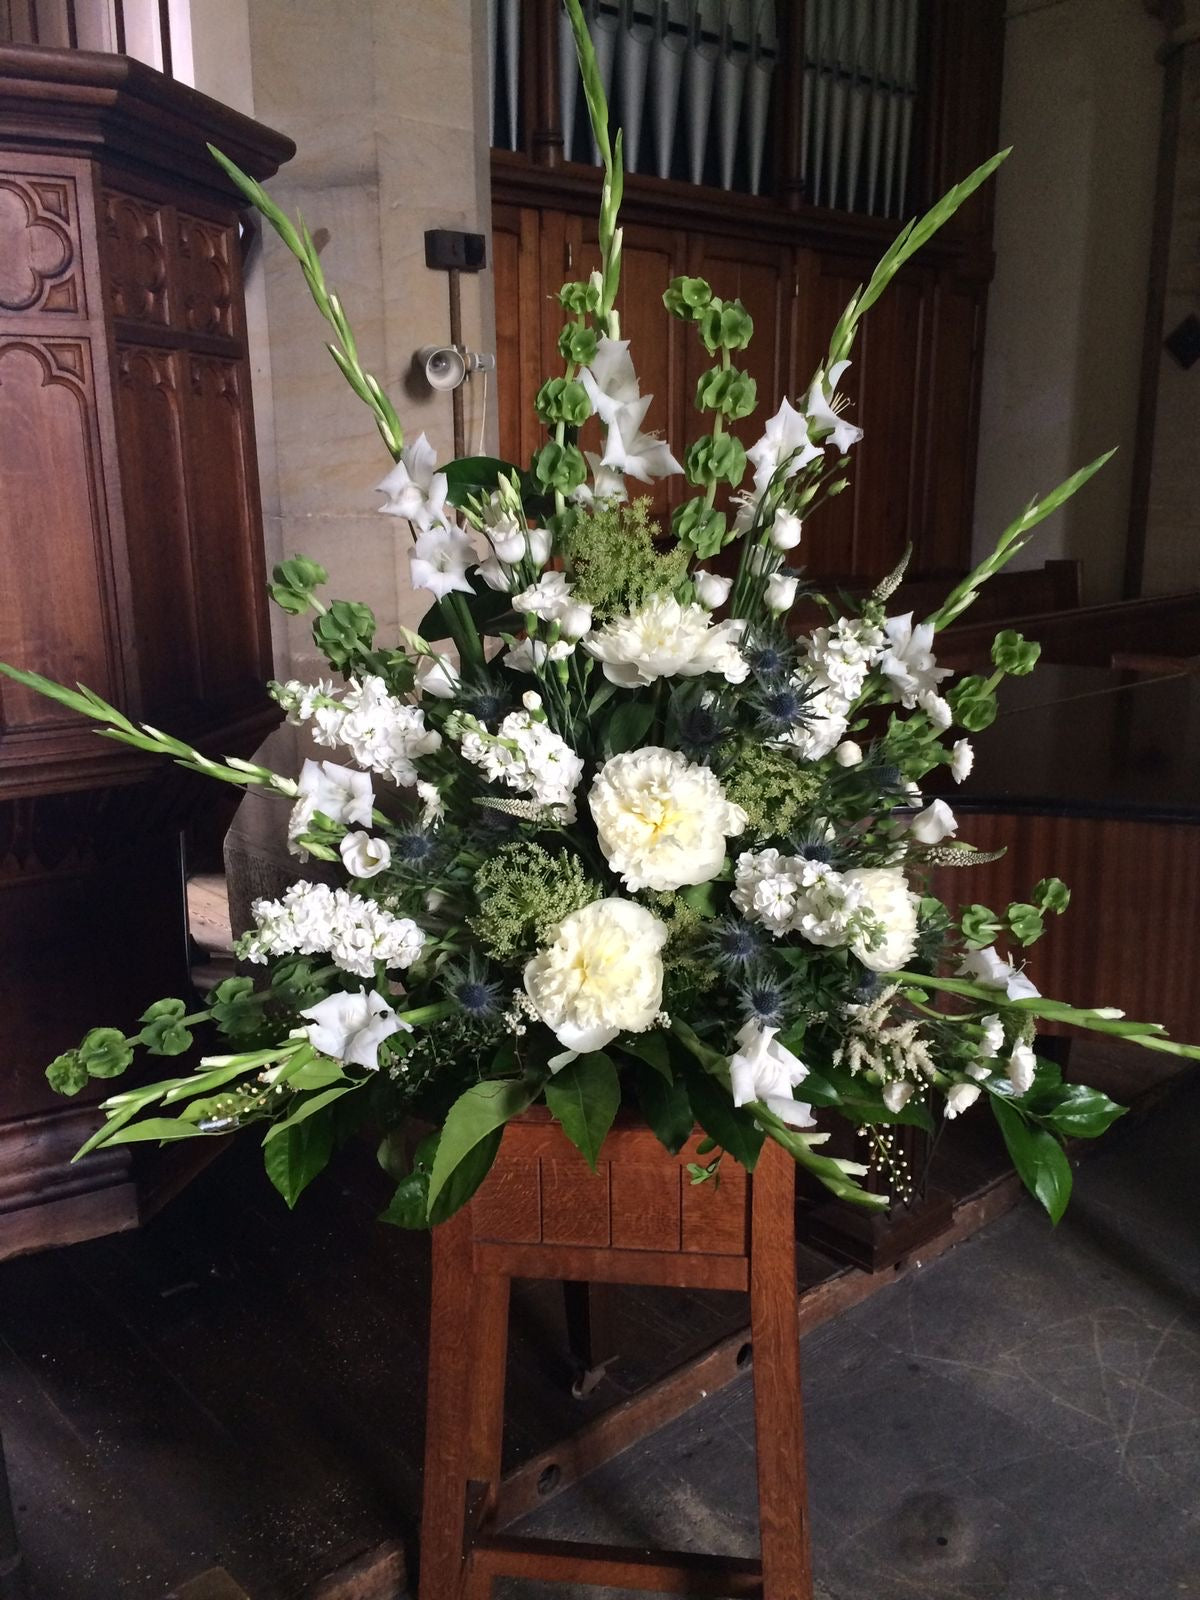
[
  {"x": 364, "y": 857},
  {"x": 762, "y": 1069},
  {"x": 662, "y": 819},
  {"x": 601, "y": 976},
  {"x": 889, "y": 900},
  {"x": 667, "y": 640},
  {"x": 351, "y": 1027}
]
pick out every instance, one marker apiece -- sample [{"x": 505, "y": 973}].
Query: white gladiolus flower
[
  {"x": 439, "y": 560},
  {"x": 547, "y": 598},
  {"x": 414, "y": 489},
  {"x": 824, "y": 417},
  {"x": 342, "y": 794},
  {"x": 893, "y": 905},
  {"x": 848, "y": 754},
  {"x": 962, "y": 759},
  {"x": 961, "y": 1097},
  {"x": 780, "y": 594},
  {"x": 438, "y": 676},
  {"x": 364, "y": 857},
  {"x": 897, "y": 1095},
  {"x": 786, "y": 530},
  {"x": 610, "y": 381},
  {"x": 785, "y": 439},
  {"x": 991, "y": 969},
  {"x": 712, "y": 588},
  {"x": 527, "y": 655},
  {"x": 909, "y": 661},
  {"x": 664, "y": 640},
  {"x": 762, "y": 1069},
  {"x": 601, "y": 976},
  {"x": 1022, "y": 1066},
  {"x": 935, "y": 823},
  {"x": 351, "y": 1027},
  {"x": 496, "y": 575},
  {"x": 662, "y": 820},
  {"x": 606, "y": 484},
  {"x": 636, "y": 454}
]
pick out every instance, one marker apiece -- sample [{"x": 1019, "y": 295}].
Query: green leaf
[
  {"x": 628, "y": 725},
  {"x": 665, "y": 1106},
  {"x": 481, "y": 1111},
  {"x": 1081, "y": 1112},
  {"x": 734, "y": 1129},
  {"x": 653, "y": 1049},
  {"x": 295, "y": 1158},
  {"x": 162, "y": 1128},
  {"x": 465, "y": 1179},
  {"x": 474, "y": 475},
  {"x": 1038, "y": 1157},
  {"x": 409, "y": 1205},
  {"x": 584, "y": 1096},
  {"x": 318, "y": 1074},
  {"x": 308, "y": 1108}
]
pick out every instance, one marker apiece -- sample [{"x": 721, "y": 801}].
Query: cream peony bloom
[
  {"x": 667, "y": 640},
  {"x": 887, "y": 897},
  {"x": 662, "y": 820},
  {"x": 602, "y": 976}
]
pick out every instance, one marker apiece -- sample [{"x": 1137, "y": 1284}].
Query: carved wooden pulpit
[{"x": 131, "y": 560}]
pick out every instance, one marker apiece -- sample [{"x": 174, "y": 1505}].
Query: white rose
[
  {"x": 712, "y": 589},
  {"x": 762, "y": 1069},
  {"x": 961, "y": 1097},
  {"x": 351, "y": 1027},
  {"x": 364, "y": 857},
  {"x": 1022, "y": 1065},
  {"x": 601, "y": 976},
  {"x": 662, "y": 820},
  {"x": 786, "y": 530},
  {"x": 896, "y": 1096},
  {"x": 848, "y": 754},
  {"x": 780, "y": 594},
  {"x": 935, "y": 823},
  {"x": 885, "y": 893},
  {"x": 962, "y": 759}
]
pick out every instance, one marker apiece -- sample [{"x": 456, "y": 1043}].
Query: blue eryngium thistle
[
  {"x": 485, "y": 701},
  {"x": 415, "y": 849},
  {"x": 700, "y": 730},
  {"x": 736, "y": 944},
  {"x": 779, "y": 709},
  {"x": 763, "y": 1000},
  {"x": 475, "y": 994}
]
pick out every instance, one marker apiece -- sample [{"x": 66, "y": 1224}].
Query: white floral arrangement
[{"x": 609, "y": 829}]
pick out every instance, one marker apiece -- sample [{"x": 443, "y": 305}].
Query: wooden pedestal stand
[{"x": 543, "y": 1214}]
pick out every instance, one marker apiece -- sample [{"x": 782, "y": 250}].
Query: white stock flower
[
  {"x": 712, "y": 588},
  {"x": 351, "y": 1027},
  {"x": 848, "y": 754},
  {"x": 962, "y": 759},
  {"x": 791, "y": 894},
  {"x": 908, "y": 660},
  {"x": 414, "y": 489},
  {"x": 313, "y": 919},
  {"x": 840, "y": 657},
  {"x": 961, "y": 1097},
  {"x": 936, "y": 709},
  {"x": 935, "y": 823},
  {"x": 785, "y": 439},
  {"x": 364, "y": 857},
  {"x": 780, "y": 593},
  {"x": 1022, "y": 1067},
  {"x": 824, "y": 416},
  {"x": 438, "y": 676},
  {"x": 822, "y": 721},
  {"x": 525, "y": 754},
  {"x": 763, "y": 1069},
  {"x": 993, "y": 1037},
  {"x": 989, "y": 968},
  {"x": 438, "y": 561},
  {"x": 887, "y": 898},
  {"x": 786, "y": 530},
  {"x": 662, "y": 820},
  {"x": 602, "y": 974},
  {"x": 664, "y": 639},
  {"x": 382, "y": 733}
]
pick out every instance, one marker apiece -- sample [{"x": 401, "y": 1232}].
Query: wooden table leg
[
  {"x": 778, "y": 1411},
  {"x": 448, "y": 1410}
]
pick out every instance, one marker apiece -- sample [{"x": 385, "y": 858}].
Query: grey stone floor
[{"x": 1019, "y": 1422}]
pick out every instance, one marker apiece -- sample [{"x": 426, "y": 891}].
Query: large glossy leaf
[
  {"x": 481, "y": 1111},
  {"x": 733, "y": 1128},
  {"x": 665, "y": 1105},
  {"x": 474, "y": 475},
  {"x": 1038, "y": 1157},
  {"x": 627, "y": 726},
  {"x": 1080, "y": 1112},
  {"x": 584, "y": 1096},
  {"x": 300, "y": 1152}
]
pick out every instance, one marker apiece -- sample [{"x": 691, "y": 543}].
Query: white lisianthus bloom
[
  {"x": 961, "y": 1097},
  {"x": 935, "y": 823},
  {"x": 763, "y": 1069},
  {"x": 664, "y": 639},
  {"x": 962, "y": 759},
  {"x": 824, "y": 417},
  {"x": 1022, "y": 1066},
  {"x": 364, "y": 857},
  {"x": 341, "y": 793},
  {"x": 786, "y": 530},
  {"x": 662, "y": 820},
  {"x": 438, "y": 561},
  {"x": 785, "y": 439},
  {"x": 601, "y": 976},
  {"x": 991, "y": 969},
  {"x": 712, "y": 588},
  {"x": 893, "y": 905},
  {"x": 547, "y": 598},
  {"x": 351, "y": 1027},
  {"x": 438, "y": 676},
  {"x": 908, "y": 660},
  {"x": 527, "y": 655},
  {"x": 848, "y": 754},
  {"x": 538, "y": 541},
  {"x": 575, "y": 620},
  {"x": 780, "y": 593},
  {"x": 896, "y": 1096},
  {"x": 506, "y": 535},
  {"x": 414, "y": 489}
]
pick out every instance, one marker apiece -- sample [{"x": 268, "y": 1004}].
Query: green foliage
[
  {"x": 698, "y": 527},
  {"x": 980, "y": 926},
  {"x": 67, "y": 1074},
  {"x": 476, "y": 1118},
  {"x": 563, "y": 400},
  {"x": 1038, "y": 1157},
  {"x": 724, "y": 325},
  {"x": 732, "y": 1127},
  {"x": 973, "y": 702},
  {"x": 716, "y": 458},
  {"x": 615, "y": 568},
  {"x": 298, "y": 1155},
  {"x": 1025, "y": 922},
  {"x": 776, "y": 792},
  {"x": 234, "y": 1007},
  {"x": 345, "y": 633},
  {"x": 1014, "y": 654},
  {"x": 1052, "y": 894},
  {"x": 294, "y": 583},
  {"x": 628, "y": 725},
  {"x": 105, "y": 1053},
  {"x": 725, "y": 390},
  {"x": 560, "y": 467},
  {"x": 685, "y": 297},
  {"x": 584, "y": 1096},
  {"x": 581, "y": 298},
  {"x": 577, "y": 344},
  {"x": 523, "y": 892}
]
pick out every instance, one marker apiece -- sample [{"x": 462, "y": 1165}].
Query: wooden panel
[
  {"x": 40, "y": 266},
  {"x": 509, "y": 1202},
  {"x": 949, "y": 424},
  {"x": 575, "y": 1205},
  {"x": 133, "y": 241},
  {"x": 646, "y": 1205},
  {"x": 51, "y": 495},
  {"x": 715, "y": 1215},
  {"x": 578, "y": 1263},
  {"x": 204, "y": 258},
  {"x": 517, "y": 281}
]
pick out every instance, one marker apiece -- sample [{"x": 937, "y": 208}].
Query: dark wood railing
[{"x": 140, "y": 28}]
